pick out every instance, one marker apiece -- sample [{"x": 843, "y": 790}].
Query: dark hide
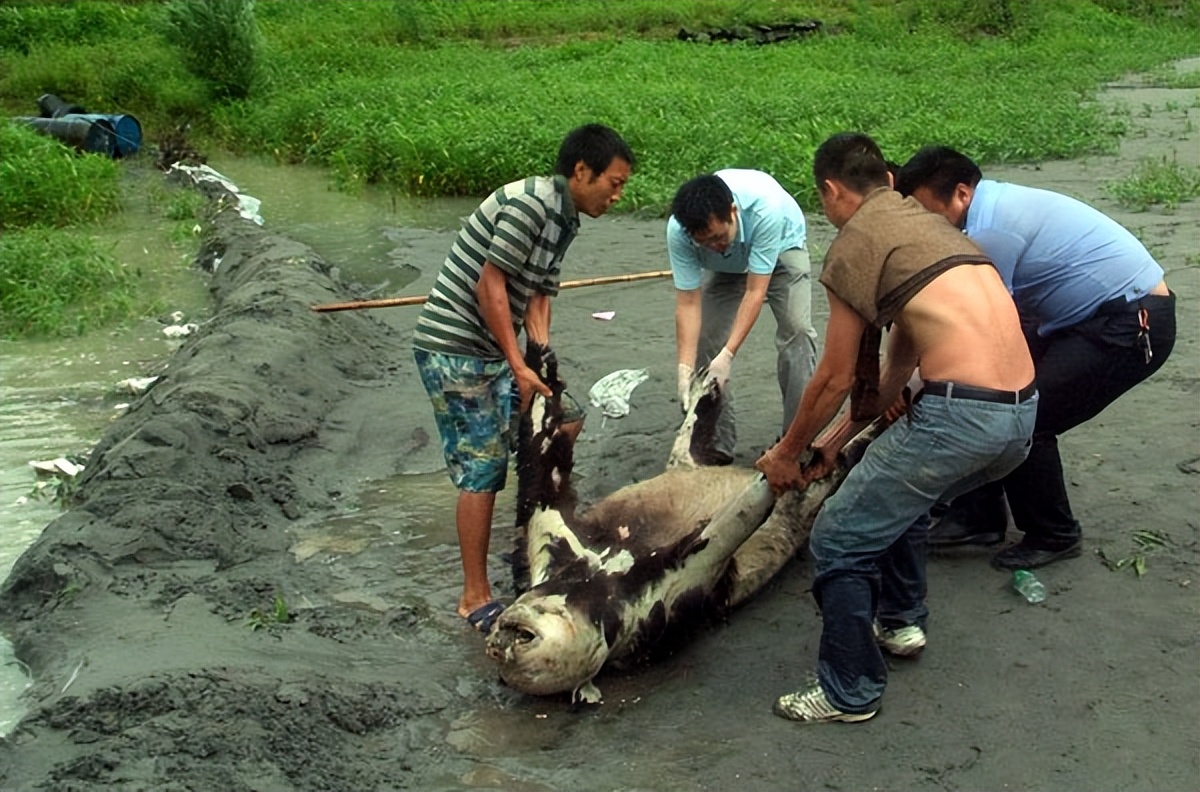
[{"x": 542, "y": 448}]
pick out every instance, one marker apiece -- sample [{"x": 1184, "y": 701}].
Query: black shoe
[
  {"x": 976, "y": 518},
  {"x": 948, "y": 532},
  {"x": 1028, "y": 555}
]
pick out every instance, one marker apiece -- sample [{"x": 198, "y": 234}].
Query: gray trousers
[{"x": 790, "y": 298}]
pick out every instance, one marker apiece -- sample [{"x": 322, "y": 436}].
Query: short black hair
[
  {"x": 699, "y": 199},
  {"x": 596, "y": 145},
  {"x": 852, "y": 158},
  {"x": 940, "y": 169}
]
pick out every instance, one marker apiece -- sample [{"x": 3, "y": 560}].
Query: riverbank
[{"x": 201, "y": 621}]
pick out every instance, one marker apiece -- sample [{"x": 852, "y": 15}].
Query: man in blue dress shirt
[{"x": 1099, "y": 320}]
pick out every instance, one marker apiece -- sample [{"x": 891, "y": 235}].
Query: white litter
[
  {"x": 248, "y": 206},
  {"x": 137, "y": 385},
  {"x": 611, "y": 392},
  {"x": 604, "y": 316},
  {"x": 179, "y": 331},
  {"x": 57, "y": 467}
]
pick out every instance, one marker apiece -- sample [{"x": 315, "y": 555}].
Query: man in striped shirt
[{"x": 498, "y": 279}]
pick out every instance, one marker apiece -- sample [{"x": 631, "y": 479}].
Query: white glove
[
  {"x": 720, "y": 367},
  {"x": 684, "y": 387}
]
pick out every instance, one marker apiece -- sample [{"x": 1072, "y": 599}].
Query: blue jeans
[{"x": 868, "y": 541}]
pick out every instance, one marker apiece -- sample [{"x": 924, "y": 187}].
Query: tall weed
[
  {"x": 57, "y": 283},
  {"x": 219, "y": 41},
  {"x": 47, "y": 183}
]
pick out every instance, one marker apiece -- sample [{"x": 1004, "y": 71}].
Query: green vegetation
[
  {"x": 1145, "y": 542},
  {"x": 1156, "y": 182},
  {"x": 440, "y": 97},
  {"x": 420, "y": 118},
  {"x": 450, "y": 97},
  {"x": 56, "y": 283},
  {"x": 268, "y": 617},
  {"x": 46, "y": 183},
  {"x": 218, "y": 41}
]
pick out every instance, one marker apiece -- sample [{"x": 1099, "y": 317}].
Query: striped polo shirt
[{"x": 524, "y": 228}]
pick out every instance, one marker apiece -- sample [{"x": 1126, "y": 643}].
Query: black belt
[{"x": 952, "y": 390}]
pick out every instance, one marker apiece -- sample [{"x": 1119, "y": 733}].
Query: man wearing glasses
[{"x": 737, "y": 239}]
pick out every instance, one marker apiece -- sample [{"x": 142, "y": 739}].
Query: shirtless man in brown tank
[{"x": 895, "y": 264}]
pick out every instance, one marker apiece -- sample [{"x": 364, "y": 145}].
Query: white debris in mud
[
  {"x": 248, "y": 206},
  {"x": 137, "y": 385},
  {"x": 179, "y": 331},
  {"x": 611, "y": 392},
  {"x": 57, "y": 467}
]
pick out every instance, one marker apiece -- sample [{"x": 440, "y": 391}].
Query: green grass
[
  {"x": 48, "y": 183},
  {"x": 55, "y": 281},
  {"x": 58, "y": 283},
  {"x": 447, "y": 97},
  {"x": 1156, "y": 182},
  {"x": 421, "y": 119},
  {"x": 454, "y": 97}
]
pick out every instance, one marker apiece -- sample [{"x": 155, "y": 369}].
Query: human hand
[
  {"x": 721, "y": 367},
  {"x": 683, "y": 387},
  {"x": 781, "y": 473},
  {"x": 529, "y": 382},
  {"x": 896, "y": 411}
]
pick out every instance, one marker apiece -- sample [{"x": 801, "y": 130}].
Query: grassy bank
[
  {"x": 438, "y": 97},
  {"x": 448, "y": 97}
]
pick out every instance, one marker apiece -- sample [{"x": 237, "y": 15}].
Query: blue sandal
[{"x": 484, "y": 617}]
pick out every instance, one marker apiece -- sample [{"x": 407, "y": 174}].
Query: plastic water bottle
[{"x": 1029, "y": 586}]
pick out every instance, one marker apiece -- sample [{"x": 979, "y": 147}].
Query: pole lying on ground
[{"x": 391, "y": 302}]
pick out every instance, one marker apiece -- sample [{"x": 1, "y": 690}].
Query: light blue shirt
[
  {"x": 769, "y": 222},
  {"x": 1058, "y": 256}
]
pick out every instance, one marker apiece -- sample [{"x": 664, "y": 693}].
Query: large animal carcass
[{"x": 609, "y": 584}]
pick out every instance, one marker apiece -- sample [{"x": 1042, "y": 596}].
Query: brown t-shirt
[{"x": 888, "y": 251}]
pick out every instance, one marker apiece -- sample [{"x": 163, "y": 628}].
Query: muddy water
[{"x": 56, "y": 397}]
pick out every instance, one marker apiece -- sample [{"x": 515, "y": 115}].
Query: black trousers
[{"x": 1080, "y": 370}]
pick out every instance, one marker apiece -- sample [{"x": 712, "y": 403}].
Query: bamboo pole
[{"x": 417, "y": 299}]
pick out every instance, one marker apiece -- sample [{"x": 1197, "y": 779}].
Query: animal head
[{"x": 545, "y": 647}]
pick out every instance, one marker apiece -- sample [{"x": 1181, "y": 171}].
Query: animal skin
[{"x": 611, "y": 585}]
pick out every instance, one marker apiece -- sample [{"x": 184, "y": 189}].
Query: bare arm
[
  {"x": 537, "y": 319},
  {"x": 897, "y": 370},
  {"x": 492, "y": 294},
  {"x": 822, "y": 398},
  {"x": 687, "y": 325},
  {"x": 748, "y": 310}
]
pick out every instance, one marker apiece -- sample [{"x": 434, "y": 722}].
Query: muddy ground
[{"x": 146, "y": 611}]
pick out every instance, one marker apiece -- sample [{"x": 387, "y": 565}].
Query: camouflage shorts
[{"x": 473, "y": 401}]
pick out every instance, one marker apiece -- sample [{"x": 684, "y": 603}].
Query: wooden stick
[{"x": 390, "y": 302}]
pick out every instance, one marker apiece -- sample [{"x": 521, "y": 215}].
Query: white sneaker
[
  {"x": 907, "y": 641},
  {"x": 811, "y": 706}
]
